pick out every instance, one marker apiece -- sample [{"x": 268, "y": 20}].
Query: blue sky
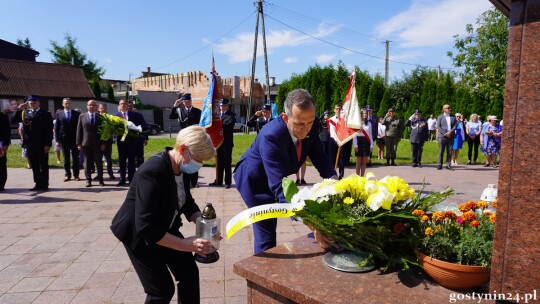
[{"x": 125, "y": 37}]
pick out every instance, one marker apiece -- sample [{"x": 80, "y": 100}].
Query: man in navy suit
[
  {"x": 279, "y": 150},
  {"x": 127, "y": 149},
  {"x": 66, "y": 130}
]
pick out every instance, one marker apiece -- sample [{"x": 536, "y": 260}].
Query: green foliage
[
  {"x": 25, "y": 43},
  {"x": 70, "y": 54},
  {"x": 110, "y": 94},
  {"x": 96, "y": 89},
  {"x": 385, "y": 103},
  {"x": 483, "y": 52},
  {"x": 376, "y": 92},
  {"x": 428, "y": 100}
]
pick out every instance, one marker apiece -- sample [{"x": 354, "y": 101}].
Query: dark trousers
[
  {"x": 224, "y": 161},
  {"x": 139, "y": 158},
  {"x": 39, "y": 160},
  {"x": 474, "y": 144},
  {"x": 264, "y": 233},
  {"x": 71, "y": 153},
  {"x": 445, "y": 144},
  {"x": 417, "y": 149},
  {"x": 325, "y": 148},
  {"x": 391, "y": 144},
  {"x": 126, "y": 159},
  {"x": 3, "y": 171},
  {"x": 93, "y": 158},
  {"x": 107, "y": 154},
  {"x": 193, "y": 178},
  {"x": 152, "y": 264}
]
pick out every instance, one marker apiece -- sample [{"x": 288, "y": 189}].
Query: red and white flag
[{"x": 350, "y": 119}]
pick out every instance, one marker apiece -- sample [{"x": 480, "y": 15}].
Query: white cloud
[
  {"x": 324, "y": 58},
  {"x": 290, "y": 59},
  {"x": 240, "y": 49},
  {"x": 107, "y": 60},
  {"x": 432, "y": 22}
]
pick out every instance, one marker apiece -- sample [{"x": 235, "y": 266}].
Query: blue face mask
[{"x": 191, "y": 167}]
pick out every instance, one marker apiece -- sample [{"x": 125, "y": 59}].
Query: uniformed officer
[
  {"x": 419, "y": 134},
  {"x": 224, "y": 152},
  {"x": 261, "y": 118},
  {"x": 37, "y": 139}
]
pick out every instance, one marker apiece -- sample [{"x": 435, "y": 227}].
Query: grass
[{"x": 241, "y": 144}]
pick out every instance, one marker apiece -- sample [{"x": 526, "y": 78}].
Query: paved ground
[{"x": 56, "y": 247}]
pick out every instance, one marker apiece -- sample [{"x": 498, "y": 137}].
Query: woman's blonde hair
[
  {"x": 473, "y": 115},
  {"x": 197, "y": 141}
]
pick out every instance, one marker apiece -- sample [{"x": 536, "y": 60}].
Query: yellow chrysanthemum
[
  {"x": 494, "y": 204},
  {"x": 425, "y": 218},
  {"x": 349, "y": 200},
  {"x": 428, "y": 231},
  {"x": 469, "y": 216},
  {"x": 492, "y": 218}
]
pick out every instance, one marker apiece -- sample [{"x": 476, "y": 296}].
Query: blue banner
[{"x": 206, "y": 113}]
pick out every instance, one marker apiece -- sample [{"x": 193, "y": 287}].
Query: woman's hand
[{"x": 198, "y": 245}]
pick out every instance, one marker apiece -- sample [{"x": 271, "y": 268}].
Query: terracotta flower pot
[{"x": 454, "y": 276}]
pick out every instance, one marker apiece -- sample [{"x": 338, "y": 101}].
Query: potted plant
[{"x": 455, "y": 248}]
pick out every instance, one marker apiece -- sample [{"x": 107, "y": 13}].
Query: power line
[{"x": 351, "y": 50}]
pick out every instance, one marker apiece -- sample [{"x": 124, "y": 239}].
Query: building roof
[
  {"x": 10, "y": 50},
  {"x": 21, "y": 78}
]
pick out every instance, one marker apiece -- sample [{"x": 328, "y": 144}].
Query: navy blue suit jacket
[{"x": 272, "y": 157}]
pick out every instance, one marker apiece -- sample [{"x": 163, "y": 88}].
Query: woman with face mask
[{"x": 148, "y": 221}]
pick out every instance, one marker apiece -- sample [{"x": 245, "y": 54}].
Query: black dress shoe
[
  {"x": 394, "y": 164},
  {"x": 195, "y": 186},
  {"x": 88, "y": 184},
  {"x": 36, "y": 188},
  {"x": 227, "y": 186},
  {"x": 95, "y": 178},
  {"x": 121, "y": 183},
  {"x": 303, "y": 182},
  {"x": 45, "y": 189},
  {"x": 415, "y": 165},
  {"x": 297, "y": 182},
  {"x": 101, "y": 183},
  {"x": 419, "y": 165},
  {"x": 439, "y": 167},
  {"x": 111, "y": 176},
  {"x": 77, "y": 178},
  {"x": 449, "y": 168},
  {"x": 67, "y": 179}
]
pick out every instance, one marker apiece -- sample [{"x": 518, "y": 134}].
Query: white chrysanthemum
[
  {"x": 323, "y": 190},
  {"x": 301, "y": 196}
]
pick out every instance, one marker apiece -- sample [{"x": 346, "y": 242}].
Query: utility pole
[
  {"x": 387, "y": 43},
  {"x": 250, "y": 103}
]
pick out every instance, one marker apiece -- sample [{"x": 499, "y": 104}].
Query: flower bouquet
[
  {"x": 362, "y": 213},
  {"x": 112, "y": 126},
  {"x": 465, "y": 239}
]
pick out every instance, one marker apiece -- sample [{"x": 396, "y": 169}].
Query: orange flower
[
  {"x": 487, "y": 213},
  {"x": 470, "y": 205},
  {"x": 469, "y": 216},
  {"x": 429, "y": 231},
  {"x": 425, "y": 218},
  {"x": 482, "y": 205},
  {"x": 494, "y": 204},
  {"x": 492, "y": 218},
  {"x": 418, "y": 212},
  {"x": 450, "y": 215},
  {"x": 475, "y": 223},
  {"x": 438, "y": 216},
  {"x": 399, "y": 228}
]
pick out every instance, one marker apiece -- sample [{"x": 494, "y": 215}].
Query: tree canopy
[
  {"x": 25, "y": 43},
  {"x": 69, "y": 53}
]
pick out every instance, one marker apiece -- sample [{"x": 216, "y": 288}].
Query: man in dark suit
[
  {"x": 89, "y": 141},
  {"x": 279, "y": 150},
  {"x": 324, "y": 132},
  {"x": 374, "y": 120},
  {"x": 446, "y": 127},
  {"x": 5, "y": 141},
  {"x": 187, "y": 115},
  {"x": 260, "y": 118},
  {"x": 37, "y": 139},
  {"x": 418, "y": 136},
  {"x": 66, "y": 132},
  {"x": 143, "y": 138},
  {"x": 224, "y": 152},
  {"x": 127, "y": 149}
]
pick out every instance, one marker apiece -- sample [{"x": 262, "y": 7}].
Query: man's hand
[
  {"x": 258, "y": 113},
  {"x": 178, "y": 103},
  {"x": 79, "y": 147},
  {"x": 46, "y": 149}
]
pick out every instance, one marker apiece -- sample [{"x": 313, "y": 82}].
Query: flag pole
[{"x": 337, "y": 157}]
